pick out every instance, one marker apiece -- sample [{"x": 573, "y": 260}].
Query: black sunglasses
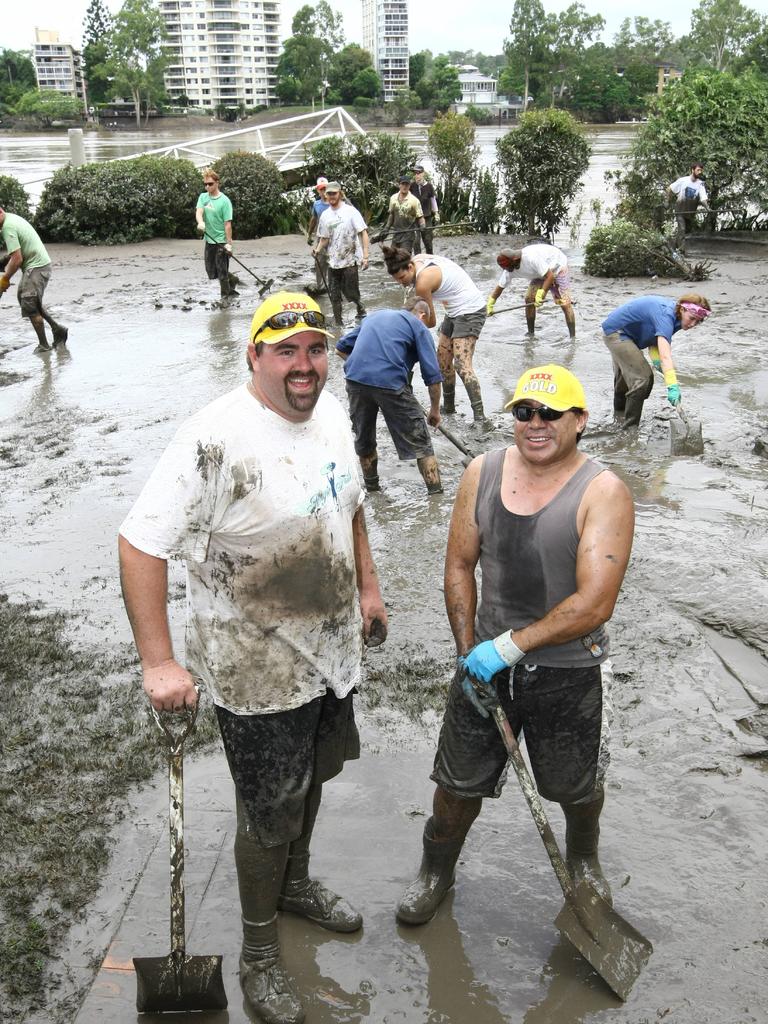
[
  {"x": 209, "y": 184},
  {"x": 525, "y": 413},
  {"x": 289, "y": 318}
]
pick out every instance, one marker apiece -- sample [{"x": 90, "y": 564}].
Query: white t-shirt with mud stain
[
  {"x": 261, "y": 510},
  {"x": 342, "y": 228},
  {"x": 536, "y": 261}
]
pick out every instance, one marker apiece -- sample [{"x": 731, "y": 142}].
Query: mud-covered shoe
[
  {"x": 587, "y": 867},
  {"x": 311, "y": 899},
  {"x": 436, "y": 876},
  {"x": 269, "y": 992},
  {"x": 60, "y": 335}
]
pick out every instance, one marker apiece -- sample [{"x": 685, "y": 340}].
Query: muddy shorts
[
  {"x": 31, "y": 290},
  {"x": 275, "y": 758},
  {"x": 402, "y": 414},
  {"x": 466, "y": 325},
  {"x": 561, "y": 287},
  {"x": 216, "y": 261},
  {"x": 564, "y": 715}
]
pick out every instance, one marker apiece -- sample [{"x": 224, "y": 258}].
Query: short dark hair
[
  {"x": 414, "y": 302},
  {"x": 396, "y": 259}
]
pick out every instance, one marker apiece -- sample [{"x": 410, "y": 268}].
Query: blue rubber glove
[
  {"x": 483, "y": 661},
  {"x": 673, "y": 394},
  {"x": 479, "y": 694}
]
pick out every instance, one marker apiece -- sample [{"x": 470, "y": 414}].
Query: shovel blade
[
  {"x": 616, "y": 950},
  {"x": 166, "y": 984},
  {"x": 685, "y": 436}
]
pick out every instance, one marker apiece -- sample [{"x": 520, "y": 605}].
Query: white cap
[{"x": 321, "y": 182}]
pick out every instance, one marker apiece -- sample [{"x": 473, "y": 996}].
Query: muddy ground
[{"x": 685, "y": 830}]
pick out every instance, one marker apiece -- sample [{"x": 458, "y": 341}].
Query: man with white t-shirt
[
  {"x": 342, "y": 229},
  {"x": 546, "y": 269},
  {"x": 688, "y": 193},
  {"x": 259, "y": 493}
]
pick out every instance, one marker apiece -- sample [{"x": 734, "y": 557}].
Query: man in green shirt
[
  {"x": 25, "y": 249},
  {"x": 214, "y": 222},
  {"x": 404, "y": 214}
]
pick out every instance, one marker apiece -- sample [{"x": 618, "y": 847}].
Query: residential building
[
  {"x": 57, "y": 65},
  {"x": 385, "y": 37},
  {"x": 665, "y": 73},
  {"x": 223, "y": 52},
  {"x": 477, "y": 89}
]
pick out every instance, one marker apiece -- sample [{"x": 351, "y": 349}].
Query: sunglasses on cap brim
[
  {"x": 289, "y": 318},
  {"x": 525, "y": 413}
]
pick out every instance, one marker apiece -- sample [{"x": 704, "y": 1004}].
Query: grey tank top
[{"x": 528, "y": 563}]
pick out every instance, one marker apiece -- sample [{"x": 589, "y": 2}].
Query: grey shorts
[
  {"x": 32, "y": 288},
  {"x": 466, "y": 325},
  {"x": 274, "y": 759},
  {"x": 402, "y": 414},
  {"x": 563, "y": 714}
]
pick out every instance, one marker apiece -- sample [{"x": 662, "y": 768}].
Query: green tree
[
  {"x": 708, "y": 115},
  {"x": 451, "y": 144},
  {"x": 642, "y": 39},
  {"x": 403, "y": 104},
  {"x": 344, "y": 66},
  {"x": 599, "y": 93},
  {"x": 301, "y": 69},
  {"x": 756, "y": 53},
  {"x": 526, "y": 46},
  {"x": 542, "y": 163},
  {"x": 568, "y": 34},
  {"x": 366, "y": 84},
  {"x": 329, "y": 25},
  {"x": 446, "y": 87},
  {"x": 418, "y": 66},
  {"x": 48, "y": 105},
  {"x": 17, "y": 76},
  {"x": 97, "y": 25},
  {"x": 135, "y": 52},
  {"x": 723, "y": 30}
]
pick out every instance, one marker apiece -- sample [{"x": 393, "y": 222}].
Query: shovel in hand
[
  {"x": 616, "y": 950},
  {"x": 685, "y": 436},
  {"x": 177, "y": 982}
]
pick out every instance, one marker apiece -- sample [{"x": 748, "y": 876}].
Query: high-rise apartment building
[
  {"x": 57, "y": 64},
  {"x": 385, "y": 37},
  {"x": 223, "y": 52}
]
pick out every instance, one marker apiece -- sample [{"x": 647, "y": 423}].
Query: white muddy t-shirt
[
  {"x": 261, "y": 509},
  {"x": 342, "y": 228},
  {"x": 536, "y": 261}
]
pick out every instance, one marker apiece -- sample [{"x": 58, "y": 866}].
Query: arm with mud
[
  {"x": 604, "y": 547},
  {"x": 144, "y": 582},
  {"x": 371, "y": 604},
  {"x": 461, "y": 558}
]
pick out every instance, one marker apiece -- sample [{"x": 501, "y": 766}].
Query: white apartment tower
[
  {"x": 385, "y": 37},
  {"x": 223, "y": 52},
  {"x": 57, "y": 65}
]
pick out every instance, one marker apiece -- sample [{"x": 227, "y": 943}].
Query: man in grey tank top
[{"x": 551, "y": 531}]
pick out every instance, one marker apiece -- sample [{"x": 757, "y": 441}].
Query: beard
[{"x": 306, "y": 400}]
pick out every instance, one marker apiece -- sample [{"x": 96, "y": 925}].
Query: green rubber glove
[
  {"x": 489, "y": 305},
  {"x": 673, "y": 394}
]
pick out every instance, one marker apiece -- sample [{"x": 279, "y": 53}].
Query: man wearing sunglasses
[
  {"x": 551, "y": 531},
  {"x": 213, "y": 217},
  {"x": 259, "y": 493},
  {"x": 647, "y": 324}
]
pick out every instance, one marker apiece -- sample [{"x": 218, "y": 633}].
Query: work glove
[
  {"x": 673, "y": 394},
  {"x": 540, "y": 296},
  {"x": 491, "y": 656},
  {"x": 5, "y": 283},
  {"x": 489, "y": 305},
  {"x": 482, "y": 696},
  {"x": 228, "y": 248}
]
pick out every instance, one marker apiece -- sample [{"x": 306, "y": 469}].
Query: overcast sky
[{"x": 443, "y": 26}]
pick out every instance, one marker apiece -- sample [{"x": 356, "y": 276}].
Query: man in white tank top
[{"x": 437, "y": 277}]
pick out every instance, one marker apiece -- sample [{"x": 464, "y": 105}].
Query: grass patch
[
  {"x": 75, "y": 736},
  {"x": 412, "y": 685}
]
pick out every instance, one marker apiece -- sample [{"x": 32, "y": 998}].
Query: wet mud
[{"x": 684, "y": 829}]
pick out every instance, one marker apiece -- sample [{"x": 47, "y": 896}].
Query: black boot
[
  {"x": 582, "y": 834},
  {"x": 476, "y": 401},
  {"x": 370, "y": 467},
  {"x": 449, "y": 399},
  {"x": 309, "y": 898},
  {"x": 424, "y": 895},
  {"x": 633, "y": 410},
  {"x": 267, "y": 988}
]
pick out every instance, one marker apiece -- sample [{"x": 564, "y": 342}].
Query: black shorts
[
  {"x": 402, "y": 414},
  {"x": 563, "y": 714},
  {"x": 274, "y": 759}
]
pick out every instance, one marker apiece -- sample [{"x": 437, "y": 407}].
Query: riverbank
[{"x": 683, "y": 838}]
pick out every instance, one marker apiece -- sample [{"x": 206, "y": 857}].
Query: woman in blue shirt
[{"x": 647, "y": 323}]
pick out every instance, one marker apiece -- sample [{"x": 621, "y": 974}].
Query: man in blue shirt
[
  {"x": 319, "y": 206},
  {"x": 647, "y": 323},
  {"x": 379, "y": 355}
]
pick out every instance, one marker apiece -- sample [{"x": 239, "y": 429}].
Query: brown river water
[{"x": 684, "y": 831}]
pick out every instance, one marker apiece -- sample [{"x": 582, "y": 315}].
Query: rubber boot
[
  {"x": 337, "y": 317},
  {"x": 582, "y": 834},
  {"x": 267, "y": 988},
  {"x": 430, "y": 471},
  {"x": 424, "y": 895},
  {"x": 449, "y": 399},
  {"x": 476, "y": 401},
  {"x": 306, "y": 896},
  {"x": 370, "y": 467},
  {"x": 633, "y": 410}
]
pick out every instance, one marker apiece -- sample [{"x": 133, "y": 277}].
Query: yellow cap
[
  {"x": 551, "y": 385},
  {"x": 283, "y": 302}
]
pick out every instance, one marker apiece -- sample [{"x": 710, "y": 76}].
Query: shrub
[
  {"x": 622, "y": 249},
  {"x": 542, "y": 163},
  {"x": 120, "y": 201},
  {"x": 13, "y": 196},
  {"x": 477, "y": 115},
  {"x": 485, "y": 213},
  {"x": 255, "y": 186},
  {"x": 451, "y": 141},
  {"x": 366, "y": 166}
]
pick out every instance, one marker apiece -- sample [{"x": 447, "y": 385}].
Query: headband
[{"x": 696, "y": 309}]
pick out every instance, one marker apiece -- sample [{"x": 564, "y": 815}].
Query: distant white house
[{"x": 481, "y": 90}]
